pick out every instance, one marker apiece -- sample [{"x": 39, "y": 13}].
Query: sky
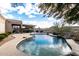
[
  {"x": 28, "y": 13},
  {"x": 41, "y": 1}
]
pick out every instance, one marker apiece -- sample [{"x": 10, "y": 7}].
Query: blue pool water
[{"x": 44, "y": 45}]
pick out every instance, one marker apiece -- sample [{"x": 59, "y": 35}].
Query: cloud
[
  {"x": 41, "y": 24},
  {"x": 51, "y": 18},
  {"x": 25, "y": 10},
  {"x": 28, "y": 10},
  {"x": 27, "y": 1},
  {"x": 21, "y": 9},
  {"x": 6, "y": 7},
  {"x": 31, "y": 16},
  {"x": 8, "y": 16},
  {"x": 15, "y": 1},
  {"x": 54, "y": 20}
]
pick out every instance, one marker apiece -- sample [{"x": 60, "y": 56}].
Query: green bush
[
  {"x": 62, "y": 30},
  {"x": 8, "y": 33},
  {"x": 3, "y": 35},
  {"x": 76, "y": 36}
]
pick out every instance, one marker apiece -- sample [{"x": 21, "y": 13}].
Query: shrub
[
  {"x": 76, "y": 36},
  {"x": 3, "y": 35},
  {"x": 8, "y": 33},
  {"x": 62, "y": 30}
]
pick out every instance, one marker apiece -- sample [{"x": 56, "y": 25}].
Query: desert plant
[
  {"x": 61, "y": 30},
  {"x": 76, "y": 36}
]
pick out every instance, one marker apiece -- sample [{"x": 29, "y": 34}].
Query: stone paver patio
[
  {"x": 9, "y": 48},
  {"x": 74, "y": 46}
]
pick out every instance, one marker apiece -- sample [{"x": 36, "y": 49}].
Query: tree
[
  {"x": 61, "y": 30},
  {"x": 68, "y": 11}
]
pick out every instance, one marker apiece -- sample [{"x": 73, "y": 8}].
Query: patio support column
[{"x": 20, "y": 28}]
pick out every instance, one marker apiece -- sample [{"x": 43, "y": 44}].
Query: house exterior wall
[
  {"x": 2, "y": 24},
  {"x": 10, "y": 22},
  {"x": 8, "y": 26}
]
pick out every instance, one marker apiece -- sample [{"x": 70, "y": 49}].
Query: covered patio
[
  {"x": 13, "y": 26},
  {"x": 16, "y": 28},
  {"x": 27, "y": 28}
]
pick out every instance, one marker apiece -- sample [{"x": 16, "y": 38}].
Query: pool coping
[{"x": 20, "y": 43}]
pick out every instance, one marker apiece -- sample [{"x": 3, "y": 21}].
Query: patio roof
[{"x": 28, "y": 25}]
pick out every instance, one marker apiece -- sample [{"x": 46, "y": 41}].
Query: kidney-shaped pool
[{"x": 44, "y": 45}]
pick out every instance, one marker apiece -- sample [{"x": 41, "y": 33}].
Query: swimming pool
[{"x": 44, "y": 45}]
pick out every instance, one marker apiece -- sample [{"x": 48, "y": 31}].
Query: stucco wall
[
  {"x": 8, "y": 26},
  {"x": 9, "y": 23},
  {"x": 12, "y": 21},
  {"x": 2, "y": 24}
]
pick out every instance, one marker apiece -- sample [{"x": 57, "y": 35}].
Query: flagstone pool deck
[
  {"x": 9, "y": 48},
  {"x": 74, "y": 46}
]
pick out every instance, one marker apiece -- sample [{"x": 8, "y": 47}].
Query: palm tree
[{"x": 68, "y": 11}]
